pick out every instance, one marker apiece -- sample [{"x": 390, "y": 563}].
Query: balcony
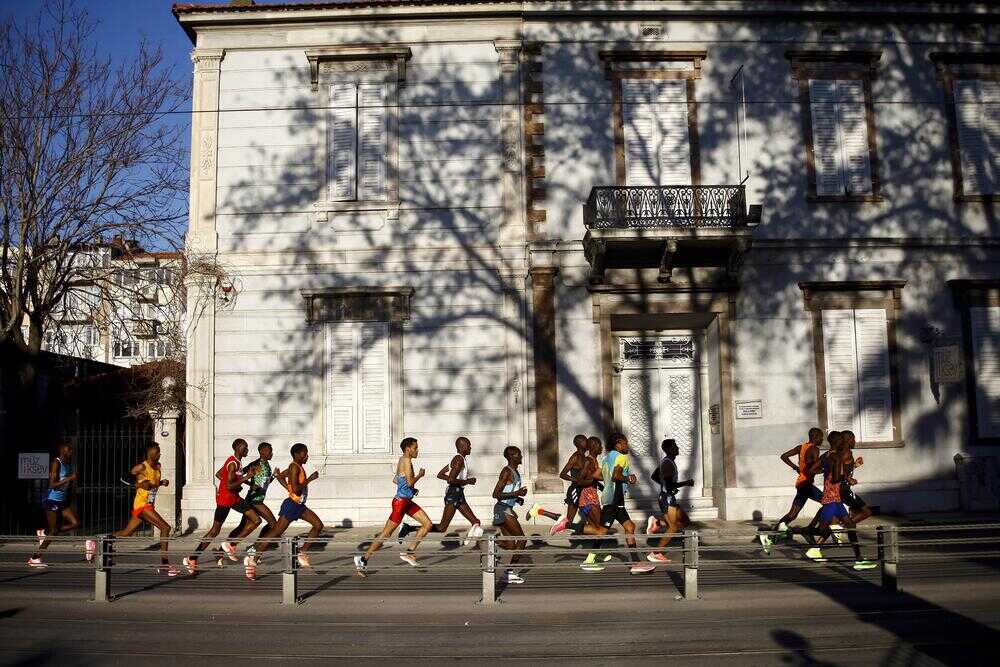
[
  {"x": 667, "y": 227},
  {"x": 144, "y": 329}
]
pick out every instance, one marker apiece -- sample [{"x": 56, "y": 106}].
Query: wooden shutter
[
  {"x": 373, "y": 148},
  {"x": 341, "y": 387},
  {"x": 971, "y": 137},
  {"x": 374, "y": 355},
  {"x": 342, "y": 141},
  {"x": 990, "y": 98},
  {"x": 841, "y": 365},
  {"x": 986, "y": 359},
  {"x": 853, "y": 125},
  {"x": 673, "y": 140},
  {"x": 827, "y": 154},
  {"x": 871, "y": 332},
  {"x": 639, "y": 120}
]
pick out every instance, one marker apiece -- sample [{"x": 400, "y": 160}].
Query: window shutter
[
  {"x": 374, "y": 365},
  {"x": 342, "y": 137},
  {"x": 674, "y": 144},
  {"x": 373, "y": 146},
  {"x": 841, "y": 365},
  {"x": 826, "y": 147},
  {"x": 639, "y": 118},
  {"x": 986, "y": 358},
  {"x": 871, "y": 331},
  {"x": 973, "y": 150},
  {"x": 853, "y": 121},
  {"x": 341, "y": 387},
  {"x": 990, "y": 94}
]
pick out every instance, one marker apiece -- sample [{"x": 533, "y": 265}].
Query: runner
[
  {"x": 616, "y": 472},
  {"x": 571, "y": 473},
  {"x": 508, "y": 493},
  {"x": 833, "y": 510},
  {"x": 292, "y": 509},
  {"x": 62, "y": 480},
  {"x": 674, "y": 518},
  {"x": 458, "y": 475},
  {"x": 807, "y": 454},
  {"x": 858, "y": 508},
  {"x": 147, "y": 482},
  {"x": 402, "y": 505},
  {"x": 258, "y": 476},
  {"x": 227, "y": 498},
  {"x": 590, "y": 504}
]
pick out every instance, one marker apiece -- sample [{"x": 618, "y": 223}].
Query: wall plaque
[{"x": 750, "y": 409}]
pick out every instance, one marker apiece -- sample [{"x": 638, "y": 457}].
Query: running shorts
[
  {"x": 612, "y": 513},
  {"x": 500, "y": 513},
  {"x": 667, "y": 500},
  {"x": 137, "y": 511},
  {"x": 291, "y": 510},
  {"x": 455, "y": 496},
  {"x": 222, "y": 511},
  {"x": 806, "y": 492},
  {"x": 403, "y": 507},
  {"x": 54, "y": 505},
  {"x": 573, "y": 495},
  {"x": 853, "y": 501},
  {"x": 832, "y": 511},
  {"x": 588, "y": 497}
]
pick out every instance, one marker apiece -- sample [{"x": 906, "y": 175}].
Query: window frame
[
  {"x": 837, "y": 66},
  {"x": 622, "y": 64},
  {"x": 952, "y": 66},
  {"x": 966, "y": 294},
  {"x": 857, "y": 295}
]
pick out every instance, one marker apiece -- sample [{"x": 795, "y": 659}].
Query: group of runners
[{"x": 599, "y": 478}]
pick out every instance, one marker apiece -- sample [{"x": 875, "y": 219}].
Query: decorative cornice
[
  {"x": 362, "y": 304},
  {"x": 808, "y": 62},
  {"x": 207, "y": 59},
  {"x": 396, "y": 54},
  {"x": 615, "y": 61}
]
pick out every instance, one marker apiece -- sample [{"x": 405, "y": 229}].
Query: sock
[{"x": 852, "y": 535}]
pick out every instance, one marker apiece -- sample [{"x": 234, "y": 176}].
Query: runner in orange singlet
[{"x": 807, "y": 453}]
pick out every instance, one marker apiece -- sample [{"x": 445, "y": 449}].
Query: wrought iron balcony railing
[{"x": 667, "y": 206}]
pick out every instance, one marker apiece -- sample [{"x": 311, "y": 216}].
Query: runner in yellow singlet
[{"x": 148, "y": 480}]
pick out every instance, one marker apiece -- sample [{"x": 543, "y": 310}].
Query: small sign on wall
[
  {"x": 32, "y": 465},
  {"x": 750, "y": 409},
  {"x": 714, "y": 417},
  {"x": 948, "y": 366}
]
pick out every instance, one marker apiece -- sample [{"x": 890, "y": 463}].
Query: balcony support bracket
[
  {"x": 595, "y": 251},
  {"x": 667, "y": 262}
]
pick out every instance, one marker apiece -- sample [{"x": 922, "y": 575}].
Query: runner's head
[
  {"x": 410, "y": 447},
  {"x": 152, "y": 452},
  {"x": 300, "y": 453},
  {"x": 580, "y": 442},
  {"x": 834, "y": 438},
  {"x": 816, "y": 436},
  {"x": 240, "y": 448},
  {"x": 594, "y": 445},
  {"x": 512, "y": 454},
  {"x": 65, "y": 450},
  {"x": 669, "y": 447},
  {"x": 620, "y": 443},
  {"x": 463, "y": 446},
  {"x": 848, "y": 437},
  {"x": 265, "y": 451}
]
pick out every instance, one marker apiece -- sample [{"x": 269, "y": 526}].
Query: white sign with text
[{"x": 33, "y": 465}]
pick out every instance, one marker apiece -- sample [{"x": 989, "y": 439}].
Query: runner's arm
[
  {"x": 564, "y": 473},
  {"x": 54, "y": 482},
  {"x": 787, "y": 457},
  {"x": 136, "y": 470},
  {"x": 233, "y": 480},
  {"x": 505, "y": 477},
  {"x": 453, "y": 470}
]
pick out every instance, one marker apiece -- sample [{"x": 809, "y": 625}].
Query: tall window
[
  {"x": 126, "y": 347},
  {"x": 357, "y": 385},
  {"x": 655, "y": 123},
  {"x": 840, "y": 137},
  {"x": 977, "y": 114},
  {"x": 358, "y": 141}
]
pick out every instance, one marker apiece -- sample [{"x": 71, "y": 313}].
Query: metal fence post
[
  {"x": 102, "y": 575},
  {"x": 290, "y": 575},
  {"x": 888, "y": 556},
  {"x": 489, "y": 567},
  {"x": 691, "y": 565}
]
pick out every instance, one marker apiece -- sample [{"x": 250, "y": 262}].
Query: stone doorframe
[{"x": 609, "y": 301}]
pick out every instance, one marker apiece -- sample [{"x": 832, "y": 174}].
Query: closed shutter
[
  {"x": 990, "y": 96},
  {"x": 977, "y": 105},
  {"x": 373, "y": 145},
  {"x": 853, "y": 123},
  {"x": 657, "y": 141},
  {"x": 841, "y": 365},
  {"x": 341, "y": 387},
  {"x": 374, "y": 355},
  {"x": 342, "y": 138},
  {"x": 827, "y": 154},
  {"x": 639, "y": 118},
  {"x": 986, "y": 358},
  {"x": 871, "y": 332},
  {"x": 674, "y": 141}
]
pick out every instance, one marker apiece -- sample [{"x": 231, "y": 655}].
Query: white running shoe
[
  {"x": 472, "y": 534},
  {"x": 36, "y": 562},
  {"x": 651, "y": 525},
  {"x": 408, "y": 558},
  {"x": 360, "y": 565},
  {"x": 641, "y": 568},
  {"x": 513, "y": 577},
  {"x": 230, "y": 550},
  {"x": 303, "y": 560},
  {"x": 250, "y": 568}
]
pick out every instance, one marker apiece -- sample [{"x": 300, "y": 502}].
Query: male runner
[
  {"x": 858, "y": 508},
  {"x": 292, "y": 509},
  {"x": 258, "y": 475},
  {"x": 62, "y": 478},
  {"x": 570, "y": 473},
  {"x": 458, "y": 475},
  {"x": 591, "y": 481},
  {"x": 402, "y": 505},
  {"x": 227, "y": 498},
  {"x": 807, "y": 453},
  {"x": 616, "y": 472},
  {"x": 147, "y": 482},
  {"x": 508, "y": 493},
  {"x": 674, "y": 517},
  {"x": 833, "y": 510}
]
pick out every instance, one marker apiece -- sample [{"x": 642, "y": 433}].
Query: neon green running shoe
[
  {"x": 815, "y": 554},
  {"x": 865, "y": 565}
]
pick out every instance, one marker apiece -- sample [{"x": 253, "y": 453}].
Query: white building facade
[{"x": 519, "y": 221}]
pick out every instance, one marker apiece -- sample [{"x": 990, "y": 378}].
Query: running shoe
[
  {"x": 191, "y": 564},
  {"x": 303, "y": 560},
  {"x": 89, "y": 549},
  {"x": 220, "y": 562},
  {"x": 475, "y": 531},
  {"x": 170, "y": 570},
  {"x": 513, "y": 577},
  {"x": 865, "y": 565},
  {"x": 230, "y": 550},
  {"x": 657, "y": 557},
  {"x": 641, "y": 568},
  {"x": 360, "y": 565},
  {"x": 815, "y": 554},
  {"x": 41, "y": 536},
  {"x": 839, "y": 536},
  {"x": 766, "y": 542},
  {"x": 36, "y": 562},
  {"x": 559, "y": 526},
  {"x": 534, "y": 511},
  {"x": 405, "y": 530},
  {"x": 590, "y": 564},
  {"x": 408, "y": 558},
  {"x": 250, "y": 568},
  {"x": 651, "y": 525}
]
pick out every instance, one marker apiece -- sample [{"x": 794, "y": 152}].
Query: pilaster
[{"x": 512, "y": 225}]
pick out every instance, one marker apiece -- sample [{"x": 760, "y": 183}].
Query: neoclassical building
[{"x": 723, "y": 223}]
